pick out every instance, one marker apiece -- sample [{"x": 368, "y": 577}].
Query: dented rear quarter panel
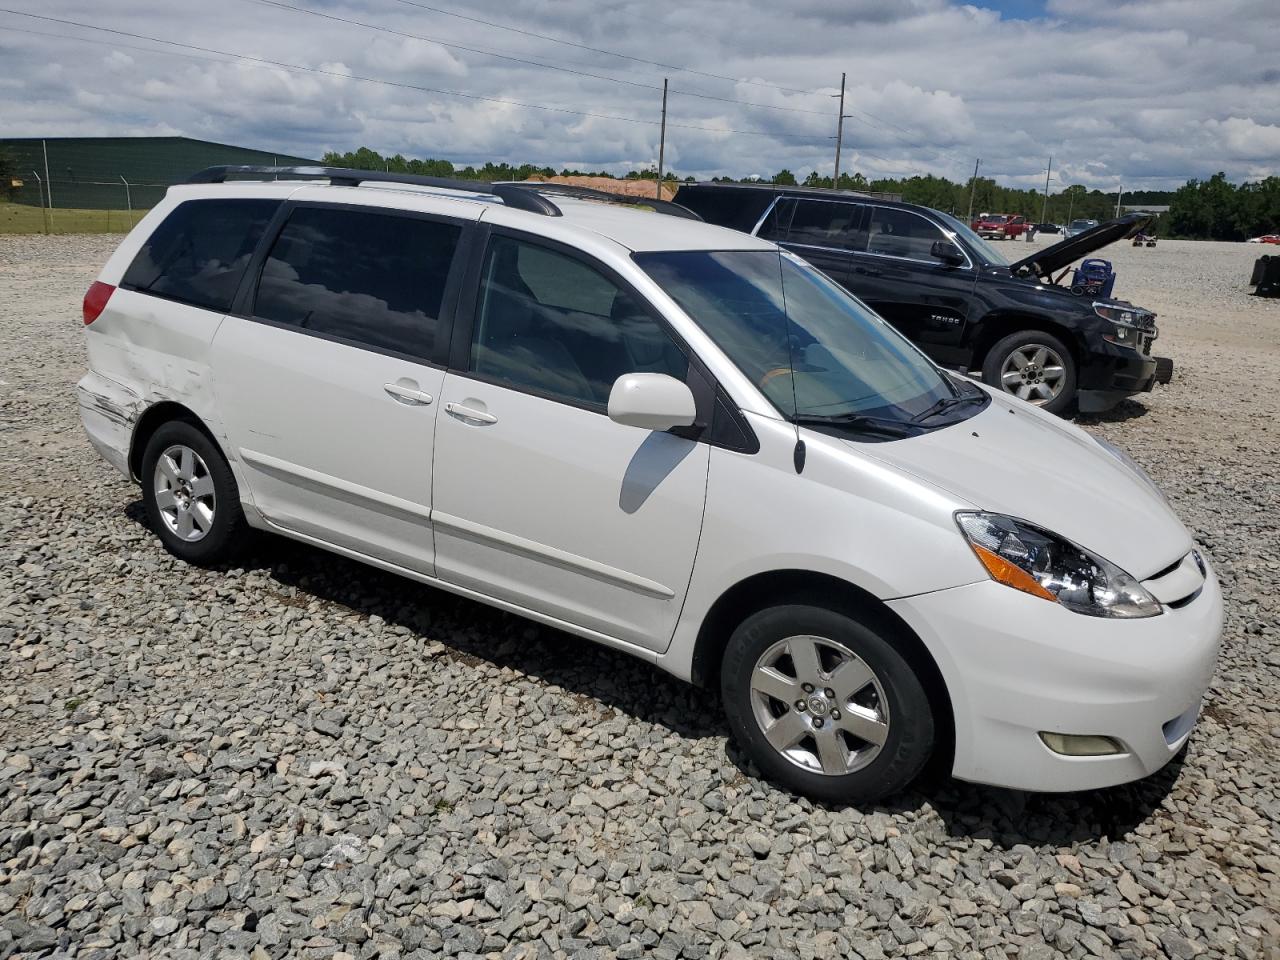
[{"x": 144, "y": 350}]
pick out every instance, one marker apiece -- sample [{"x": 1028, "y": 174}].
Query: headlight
[
  {"x": 1044, "y": 565},
  {"x": 1127, "y": 321},
  {"x": 1117, "y": 314},
  {"x": 1132, "y": 464}
]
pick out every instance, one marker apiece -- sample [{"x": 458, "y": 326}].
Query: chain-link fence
[{"x": 102, "y": 184}]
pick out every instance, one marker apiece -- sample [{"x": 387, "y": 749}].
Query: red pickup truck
[{"x": 1000, "y": 226}]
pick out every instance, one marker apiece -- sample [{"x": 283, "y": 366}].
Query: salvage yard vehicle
[
  {"x": 999, "y": 226},
  {"x": 956, "y": 296},
  {"x": 534, "y": 397},
  {"x": 1077, "y": 227}
]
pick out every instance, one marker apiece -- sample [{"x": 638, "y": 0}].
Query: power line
[
  {"x": 862, "y": 116},
  {"x": 454, "y": 46},
  {"x": 607, "y": 53},
  {"x": 532, "y": 63},
  {"x": 302, "y": 68}
]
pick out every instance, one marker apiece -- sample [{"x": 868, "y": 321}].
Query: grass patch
[{"x": 21, "y": 218}]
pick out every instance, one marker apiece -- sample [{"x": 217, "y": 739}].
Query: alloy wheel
[
  {"x": 1035, "y": 373},
  {"x": 819, "y": 705},
  {"x": 184, "y": 493}
]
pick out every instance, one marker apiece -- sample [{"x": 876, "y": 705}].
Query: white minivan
[{"x": 671, "y": 438}]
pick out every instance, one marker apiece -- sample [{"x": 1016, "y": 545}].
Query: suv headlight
[
  {"x": 1040, "y": 563},
  {"x": 1126, "y": 320},
  {"x": 1132, "y": 464}
]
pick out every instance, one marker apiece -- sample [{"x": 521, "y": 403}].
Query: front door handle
[
  {"x": 410, "y": 395},
  {"x": 463, "y": 412},
  {"x": 868, "y": 271}
]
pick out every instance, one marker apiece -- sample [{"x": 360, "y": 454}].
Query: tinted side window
[
  {"x": 200, "y": 251},
  {"x": 778, "y": 222},
  {"x": 376, "y": 279},
  {"x": 549, "y": 323},
  {"x": 827, "y": 223},
  {"x": 900, "y": 233}
]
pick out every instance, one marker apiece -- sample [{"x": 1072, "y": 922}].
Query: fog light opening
[{"x": 1081, "y": 745}]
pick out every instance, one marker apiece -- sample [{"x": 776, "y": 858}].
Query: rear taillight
[{"x": 95, "y": 300}]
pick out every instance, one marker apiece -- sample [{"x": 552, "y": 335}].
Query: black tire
[
  {"x": 228, "y": 533},
  {"x": 910, "y": 735},
  {"x": 993, "y": 363}
]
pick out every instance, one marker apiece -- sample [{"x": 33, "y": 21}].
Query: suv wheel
[
  {"x": 1033, "y": 366},
  {"x": 191, "y": 496},
  {"x": 825, "y": 704}
]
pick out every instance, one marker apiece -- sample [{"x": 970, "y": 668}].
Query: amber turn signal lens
[{"x": 1010, "y": 574}]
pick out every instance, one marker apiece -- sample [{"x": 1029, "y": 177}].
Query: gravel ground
[{"x": 306, "y": 757}]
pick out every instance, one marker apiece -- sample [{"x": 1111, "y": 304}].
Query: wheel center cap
[{"x": 817, "y": 705}]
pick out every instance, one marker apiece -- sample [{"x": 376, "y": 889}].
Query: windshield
[
  {"x": 993, "y": 218},
  {"x": 984, "y": 247},
  {"x": 1083, "y": 224},
  {"x": 813, "y": 350}
]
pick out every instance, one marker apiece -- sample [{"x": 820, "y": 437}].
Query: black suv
[{"x": 957, "y": 296}]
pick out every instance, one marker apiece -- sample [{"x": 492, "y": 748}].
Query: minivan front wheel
[
  {"x": 825, "y": 704},
  {"x": 190, "y": 495},
  {"x": 1034, "y": 366}
]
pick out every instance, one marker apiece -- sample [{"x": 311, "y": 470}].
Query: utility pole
[
  {"x": 1071, "y": 202},
  {"x": 43, "y": 209},
  {"x": 662, "y": 140},
  {"x": 1044, "y": 207},
  {"x": 48, "y": 184},
  {"x": 1118, "y": 196},
  {"x": 128, "y": 199},
  {"x": 973, "y": 186},
  {"x": 835, "y": 180}
]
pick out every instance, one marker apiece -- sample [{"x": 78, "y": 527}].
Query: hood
[
  {"x": 1014, "y": 459},
  {"x": 1068, "y": 251}
]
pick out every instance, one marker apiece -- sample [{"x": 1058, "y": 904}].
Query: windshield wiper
[
  {"x": 895, "y": 428},
  {"x": 947, "y": 403}
]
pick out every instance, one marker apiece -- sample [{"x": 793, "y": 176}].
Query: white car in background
[
  {"x": 1076, "y": 227},
  {"x": 670, "y": 438}
]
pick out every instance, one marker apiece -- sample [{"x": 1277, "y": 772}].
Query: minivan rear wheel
[
  {"x": 1034, "y": 366},
  {"x": 190, "y": 494},
  {"x": 825, "y": 704}
]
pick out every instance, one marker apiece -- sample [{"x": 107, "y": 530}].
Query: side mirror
[
  {"x": 947, "y": 252},
  {"x": 651, "y": 401}
]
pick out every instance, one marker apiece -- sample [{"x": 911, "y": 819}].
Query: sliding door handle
[
  {"x": 463, "y": 412},
  {"x": 410, "y": 395}
]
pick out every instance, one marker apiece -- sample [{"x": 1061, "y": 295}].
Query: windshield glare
[
  {"x": 984, "y": 247},
  {"x": 811, "y": 348}
]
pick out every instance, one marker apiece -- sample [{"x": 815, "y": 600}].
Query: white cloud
[{"x": 1147, "y": 94}]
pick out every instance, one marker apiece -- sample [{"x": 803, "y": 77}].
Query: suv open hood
[{"x": 1064, "y": 252}]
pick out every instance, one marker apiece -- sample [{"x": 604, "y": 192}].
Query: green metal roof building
[{"x": 92, "y": 172}]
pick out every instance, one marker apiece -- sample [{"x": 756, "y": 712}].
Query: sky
[{"x": 1139, "y": 94}]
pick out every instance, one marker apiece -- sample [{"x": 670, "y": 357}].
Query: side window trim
[
  {"x": 244, "y": 303},
  {"x": 871, "y": 207}
]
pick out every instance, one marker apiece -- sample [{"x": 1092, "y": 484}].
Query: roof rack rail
[
  {"x": 605, "y": 196},
  {"x": 510, "y": 194},
  {"x": 522, "y": 195}
]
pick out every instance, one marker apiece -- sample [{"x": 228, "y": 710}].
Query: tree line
[{"x": 1213, "y": 209}]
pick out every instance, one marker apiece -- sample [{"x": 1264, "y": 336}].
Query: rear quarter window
[
  {"x": 199, "y": 253},
  {"x": 372, "y": 278}
]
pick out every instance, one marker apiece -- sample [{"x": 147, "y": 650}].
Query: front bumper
[
  {"x": 1016, "y": 665},
  {"x": 1111, "y": 371}
]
